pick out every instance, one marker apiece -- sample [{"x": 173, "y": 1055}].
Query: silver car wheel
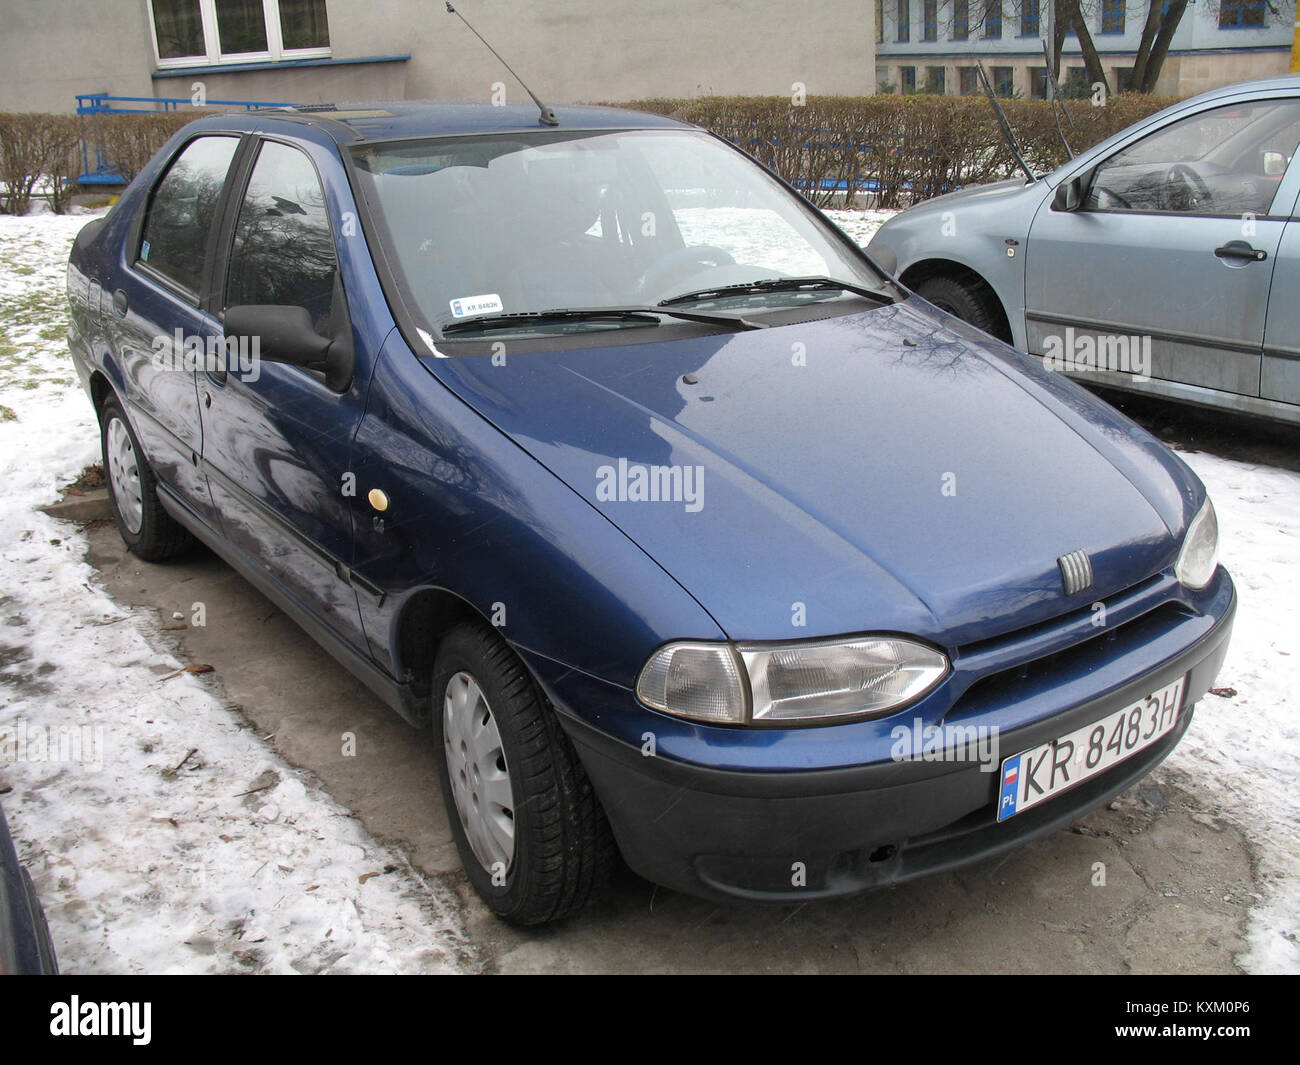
[
  {"x": 480, "y": 776},
  {"x": 124, "y": 471}
]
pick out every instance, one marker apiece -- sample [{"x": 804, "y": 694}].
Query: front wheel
[
  {"x": 970, "y": 302},
  {"x": 530, "y": 831}
]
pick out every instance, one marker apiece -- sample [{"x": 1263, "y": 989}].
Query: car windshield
[{"x": 487, "y": 226}]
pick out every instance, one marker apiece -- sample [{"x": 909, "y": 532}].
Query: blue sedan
[{"x": 687, "y": 530}]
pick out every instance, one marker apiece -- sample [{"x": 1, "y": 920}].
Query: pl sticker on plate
[{"x": 467, "y": 306}]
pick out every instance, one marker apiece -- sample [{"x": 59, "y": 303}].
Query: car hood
[
  {"x": 995, "y": 191},
  {"x": 888, "y": 470}
]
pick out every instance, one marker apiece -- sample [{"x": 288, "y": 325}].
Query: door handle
[
  {"x": 1240, "y": 250},
  {"x": 119, "y": 302}
]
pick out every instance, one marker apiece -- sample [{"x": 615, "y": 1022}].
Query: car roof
[{"x": 352, "y": 123}]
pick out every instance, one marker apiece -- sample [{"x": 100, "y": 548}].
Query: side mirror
[
  {"x": 1069, "y": 195},
  {"x": 1274, "y": 164},
  {"x": 280, "y": 333},
  {"x": 285, "y": 334}
]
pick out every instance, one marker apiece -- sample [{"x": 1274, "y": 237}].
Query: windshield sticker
[{"x": 471, "y": 305}]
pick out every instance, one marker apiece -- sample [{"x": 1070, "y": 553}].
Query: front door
[{"x": 1165, "y": 268}]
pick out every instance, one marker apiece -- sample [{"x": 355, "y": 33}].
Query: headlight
[
  {"x": 797, "y": 683},
  {"x": 1199, "y": 557}
]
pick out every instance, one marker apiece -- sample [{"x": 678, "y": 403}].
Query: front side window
[
  {"x": 527, "y": 223},
  {"x": 283, "y": 249},
  {"x": 214, "y": 31},
  {"x": 1227, "y": 161},
  {"x": 178, "y": 221}
]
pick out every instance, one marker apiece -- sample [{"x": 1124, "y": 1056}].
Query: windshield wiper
[
  {"x": 559, "y": 315},
  {"x": 781, "y": 284}
]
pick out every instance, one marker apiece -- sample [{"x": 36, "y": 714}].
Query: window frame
[
  {"x": 211, "y": 250},
  {"x": 237, "y": 184},
  {"x": 1241, "y": 7},
  {"x": 275, "y": 50},
  {"x": 904, "y": 9}
]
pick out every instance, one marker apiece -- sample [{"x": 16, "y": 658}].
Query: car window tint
[
  {"x": 283, "y": 250},
  {"x": 174, "y": 238},
  {"x": 1224, "y": 161}
]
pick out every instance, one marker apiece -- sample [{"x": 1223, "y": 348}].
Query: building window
[
  {"x": 992, "y": 19},
  {"x": 960, "y": 19},
  {"x": 968, "y": 83},
  {"x": 904, "y": 20},
  {"x": 930, "y": 20},
  {"x": 1003, "y": 81},
  {"x": 1112, "y": 16},
  {"x": 1028, "y": 18},
  {"x": 1241, "y": 14},
  {"x": 1038, "y": 83},
  {"x": 880, "y": 21},
  {"x": 186, "y": 32},
  {"x": 934, "y": 80},
  {"x": 907, "y": 79},
  {"x": 1123, "y": 79}
]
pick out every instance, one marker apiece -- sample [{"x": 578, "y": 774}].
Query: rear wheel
[
  {"x": 969, "y": 301},
  {"x": 529, "y": 828},
  {"x": 148, "y": 531}
]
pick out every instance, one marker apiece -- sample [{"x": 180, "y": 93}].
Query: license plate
[{"x": 1037, "y": 774}]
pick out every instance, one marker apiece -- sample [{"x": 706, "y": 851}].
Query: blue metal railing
[{"x": 105, "y": 171}]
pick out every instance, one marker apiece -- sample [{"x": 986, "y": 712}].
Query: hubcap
[
  {"x": 480, "y": 778},
  {"x": 124, "y": 472}
]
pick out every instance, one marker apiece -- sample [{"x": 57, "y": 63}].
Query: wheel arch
[{"x": 924, "y": 269}]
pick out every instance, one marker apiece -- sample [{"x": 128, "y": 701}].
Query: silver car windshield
[{"x": 487, "y": 226}]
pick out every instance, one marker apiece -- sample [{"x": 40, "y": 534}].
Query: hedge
[
  {"x": 914, "y": 146},
  {"x": 41, "y": 154},
  {"x": 907, "y": 148}
]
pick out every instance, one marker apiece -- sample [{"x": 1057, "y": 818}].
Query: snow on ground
[
  {"x": 151, "y": 861},
  {"x": 163, "y": 835},
  {"x": 1244, "y": 751}
]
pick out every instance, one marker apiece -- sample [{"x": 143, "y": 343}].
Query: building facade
[
  {"x": 313, "y": 51},
  {"x": 931, "y": 45}
]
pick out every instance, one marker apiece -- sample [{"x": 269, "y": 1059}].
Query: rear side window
[
  {"x": 174, "y": 240},
  {"x": 284, "y": 248}
]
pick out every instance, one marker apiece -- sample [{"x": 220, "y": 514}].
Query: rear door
[
  {"x": 1171, "y": 256},
  {"x": 156, "y": 322}
]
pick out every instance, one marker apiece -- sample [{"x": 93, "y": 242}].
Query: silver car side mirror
[{"x": 1069, "y": 195}]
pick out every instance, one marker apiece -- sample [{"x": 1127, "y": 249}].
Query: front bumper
[{"x": 726, "y": 833}]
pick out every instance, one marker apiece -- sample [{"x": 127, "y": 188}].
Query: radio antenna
[{"x": 546, "y": 115}]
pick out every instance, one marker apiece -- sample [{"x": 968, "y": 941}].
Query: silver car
[{"x": 1165, "y": 260}]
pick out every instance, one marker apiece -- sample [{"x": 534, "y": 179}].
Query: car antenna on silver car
[
  {"x": 547, "y": 116},
  {"x": 1003, "y": 124},
  {"x": 1057, "y": 102}
]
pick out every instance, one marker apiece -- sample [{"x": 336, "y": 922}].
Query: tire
[
  {"x": 148, "y": 531},
  {"x": 560, "y": 850},
  {"x": 971, "y": 302}
]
